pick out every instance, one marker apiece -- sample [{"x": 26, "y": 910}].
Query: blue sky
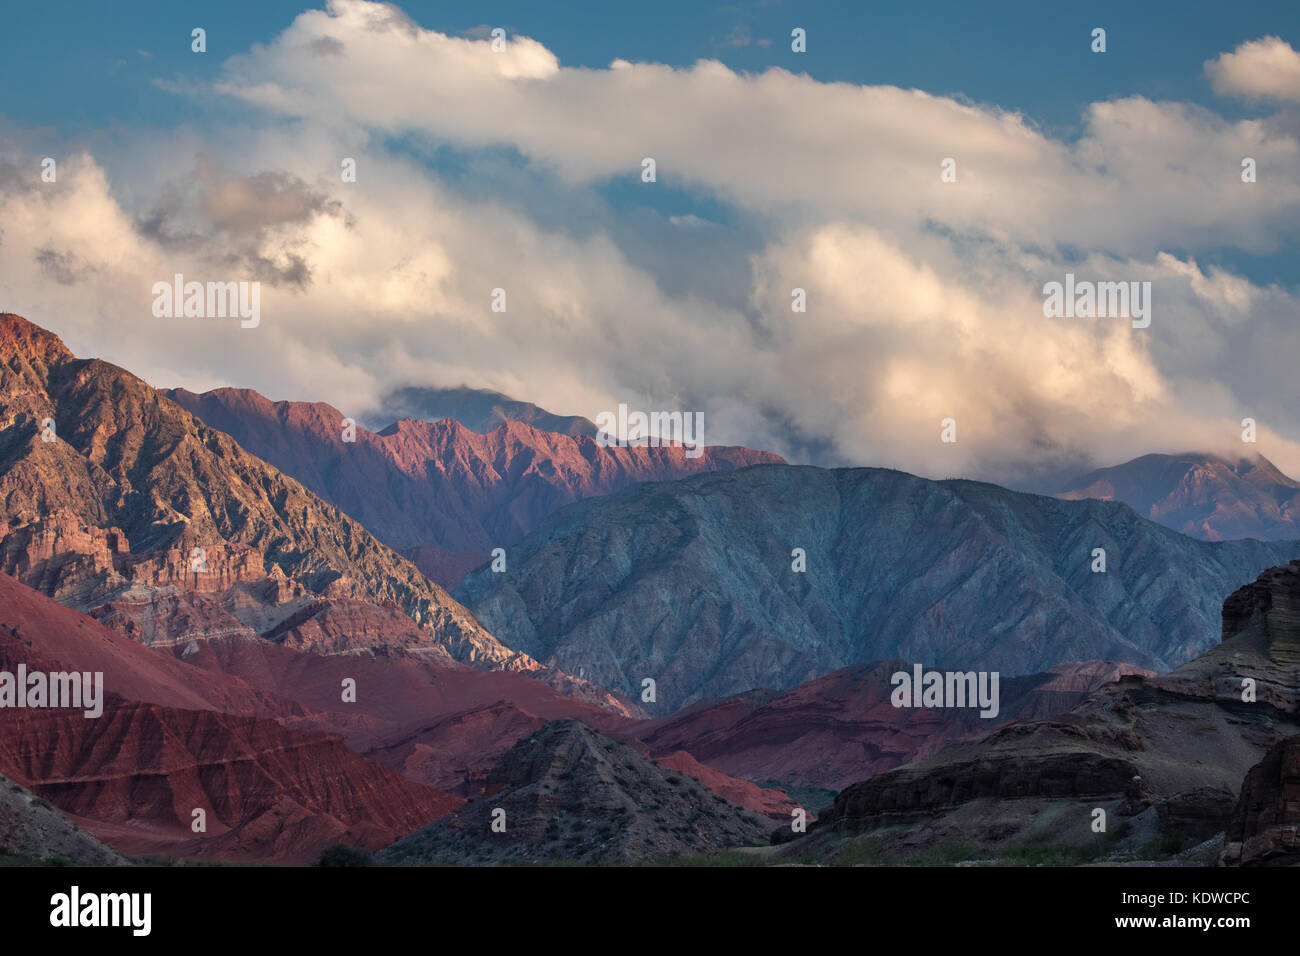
[{"x": 1028, "y": 55}]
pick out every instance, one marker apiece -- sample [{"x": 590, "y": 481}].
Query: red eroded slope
[
  {"x": 842, "y": 728},
  {"x": 162, "y": 749},
  {"x": 33, "y": 627},
  {"x": 135, "y": 775},
  {"x": 770, "y": 803},
  {"x": 437, "y": 721}
]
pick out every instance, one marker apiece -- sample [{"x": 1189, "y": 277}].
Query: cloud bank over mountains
[{"x": 924, "y": 297}]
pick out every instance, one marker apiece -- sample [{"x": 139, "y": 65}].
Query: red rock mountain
[
  {"x": 292, "y": 595},
  {"x": 106, "y": 483},
  {"x": 439, "y": 492},
  {"x": 1201, "y": 495}
]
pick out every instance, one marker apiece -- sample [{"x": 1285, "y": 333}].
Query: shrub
[{"x": 342, "y": 855}]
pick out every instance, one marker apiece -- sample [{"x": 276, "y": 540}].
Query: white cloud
[
  {"x": 1264, "y": 69},
  {"x": 788, "y": 144}
]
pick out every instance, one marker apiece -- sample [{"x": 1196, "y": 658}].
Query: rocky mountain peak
[
  {"x": 569, "y": 792},
  {"x": 19, "y": 337}
]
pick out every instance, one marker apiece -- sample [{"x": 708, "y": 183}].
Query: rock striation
[
  {"x": 1265, "y": 825},
  {"x": 173, "y": 739}
]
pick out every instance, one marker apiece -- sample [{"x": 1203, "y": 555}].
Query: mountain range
[
  {"x": 695, "y": 583},
  {"x": 478, "y": 409},
  {"x": 232, "y": 564},
  {"x": 439, "y": 491}
]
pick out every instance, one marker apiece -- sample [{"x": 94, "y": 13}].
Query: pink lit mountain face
[{"x": 439, "y": 492}]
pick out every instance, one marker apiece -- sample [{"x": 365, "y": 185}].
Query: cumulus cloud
[
  {"x": 924, "y": 298},
  {"x": 1264, "y": 69},
  {"x": 787, "y": 143}
]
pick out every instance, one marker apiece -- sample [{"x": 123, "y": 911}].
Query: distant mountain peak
[
  {"x": 1201, "y": 494},
  {"x": 479, "y": 410}
]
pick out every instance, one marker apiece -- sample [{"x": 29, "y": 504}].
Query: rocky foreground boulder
[
  {"x": 32, "y": 831},
  {"x": 1265, "y": 827}
]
